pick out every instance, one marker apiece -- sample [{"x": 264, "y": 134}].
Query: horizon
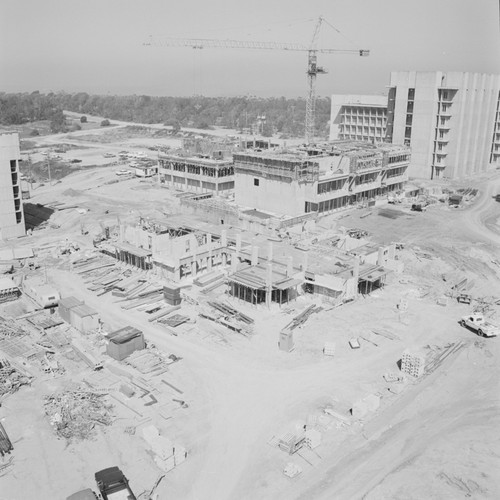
[{"x": 103, "y": 53}]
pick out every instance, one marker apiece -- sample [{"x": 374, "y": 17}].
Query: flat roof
[
  {"x": 70, "y": 302},
  {"x": 255, "y": 277},
  {"x": 83, "y": 310},
  {"x": 124, "y": 335},
  {"x": 127, "y": 247}
]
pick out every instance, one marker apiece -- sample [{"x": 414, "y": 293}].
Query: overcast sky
[{"x": 96, "y": 46}]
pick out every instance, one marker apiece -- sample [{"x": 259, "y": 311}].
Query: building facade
[
  {"x": 450, "y": 121},
  {"x": 200, "y": 174},
  {"x": 11, "y": 203},
  {"x": 359, "y": 118},
  {"x": 323, "y": 179}
]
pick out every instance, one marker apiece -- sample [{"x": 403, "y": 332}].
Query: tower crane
[{"x": 313, "y": 70}]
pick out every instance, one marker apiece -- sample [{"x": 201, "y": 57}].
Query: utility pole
[
  {"x": 48, "y": 166},
  {"x": 31, "y": 177}
]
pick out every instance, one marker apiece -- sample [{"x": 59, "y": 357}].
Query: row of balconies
[
  {"x": 352, "y": 120},
  {"x": 347, "y": 111},
  {"x": 360, "y": 129}
]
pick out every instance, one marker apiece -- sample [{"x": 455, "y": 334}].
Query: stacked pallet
[{"x": 412, "y": 364}]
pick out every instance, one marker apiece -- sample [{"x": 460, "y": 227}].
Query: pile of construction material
[
  {"x": 75, "y": 413},
  {"x": 172, "y": 294},
  {"x": 5, "y": 443},
  {"x": 10, "y": 378},
  {"x": 166, "y": 454},
  {"x": 229, "y": 317},
  {"x": 210, "y": 281}
]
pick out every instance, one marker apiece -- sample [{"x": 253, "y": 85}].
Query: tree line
[{"x": 272, "y": 115}]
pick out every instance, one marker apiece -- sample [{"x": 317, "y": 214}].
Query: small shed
[
  {"x": 84, "y": 318},
  {"x": 65, "y": 306},
  {"x": 124, "y": 342}
]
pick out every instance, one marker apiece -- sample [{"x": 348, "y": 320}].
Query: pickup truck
[
  {"x": 478, "y": 324},
  {"x": 113, "y": 484}
]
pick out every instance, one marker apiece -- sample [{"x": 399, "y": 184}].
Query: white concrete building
[
  {"x": 11, "y": 203},
  {"x": 449, "y": 119},
  {"x": 358, "y": 117},
  {"x": 321, "y": 179}
]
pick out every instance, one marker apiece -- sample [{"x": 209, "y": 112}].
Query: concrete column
[
  {"x": 209, "y": 260},
  {"x": 270, "y": 251},
  {"x": 223, "y": 238},
  {"x": 289, "y": 266},
  {"x": 238, "y": 242},
  {"x": 269, "y": 283},
  {"x": 305, "y": 262},
  {"x": 234, "y": 262},
  {"x": 392, "y": 251},
  {"x": 255, "y": 255},
  {"x": 380, "y": 257},
  {"x": 193, "y": 268},
  {"x": 355, "y": 273}
]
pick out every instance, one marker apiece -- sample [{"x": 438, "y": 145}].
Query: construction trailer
[
  {"x": 122, "y": 343},
  {"x": 44, "y": 295}
]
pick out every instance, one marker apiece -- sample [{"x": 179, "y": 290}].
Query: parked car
[
  {"x": 418, "y": 207},
  {"x": 477, "y": 323}
]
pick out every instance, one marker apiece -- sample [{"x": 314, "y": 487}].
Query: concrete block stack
[
  {"x": 166, "y": 454},
  {"x": 329, "y": 349},
  {"x": 313, "y": 438},
  {"x": 412, "y": 364}
]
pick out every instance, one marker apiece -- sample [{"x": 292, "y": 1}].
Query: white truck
[{"x": 478, "y": 324}]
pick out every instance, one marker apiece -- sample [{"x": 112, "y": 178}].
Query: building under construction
[
  {"x": 318, "y": 179},
  {"x": 201, "y": 174}
]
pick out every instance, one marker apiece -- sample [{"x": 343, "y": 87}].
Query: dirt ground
[{"x": 435, "y": 438}]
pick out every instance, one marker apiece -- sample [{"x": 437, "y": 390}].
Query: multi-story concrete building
[
  {"x": 358, "y": 117},
  {"x": 450, "y": 121},
  {"x": 323, "y": 179},
  {"x": 11, "y": 204},
  {"x": 200, "y": 174}
]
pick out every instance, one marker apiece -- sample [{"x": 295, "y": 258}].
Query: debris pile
[
  {"x": 11, "y": 379},
  {"x": 74, "y": 414}
]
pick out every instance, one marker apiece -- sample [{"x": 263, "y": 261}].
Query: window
[{"x": 256, "y": 182}]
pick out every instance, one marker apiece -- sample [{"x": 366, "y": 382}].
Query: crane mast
[{"x": 313, "y": 70}]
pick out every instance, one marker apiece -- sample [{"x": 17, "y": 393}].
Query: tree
[
  {"x": 105, "y": 123},
  {"x": 57, "y": 121},
  {"x": 83, "y": 119}
]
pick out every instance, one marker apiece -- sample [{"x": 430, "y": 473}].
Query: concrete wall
[{"x": 270, "y": 195}]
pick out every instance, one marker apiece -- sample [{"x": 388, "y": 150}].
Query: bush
[
  {"x": 105, "y": 123},
  {"x": 34, "y": 132},
  {"x": 83, "y": 119}
]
